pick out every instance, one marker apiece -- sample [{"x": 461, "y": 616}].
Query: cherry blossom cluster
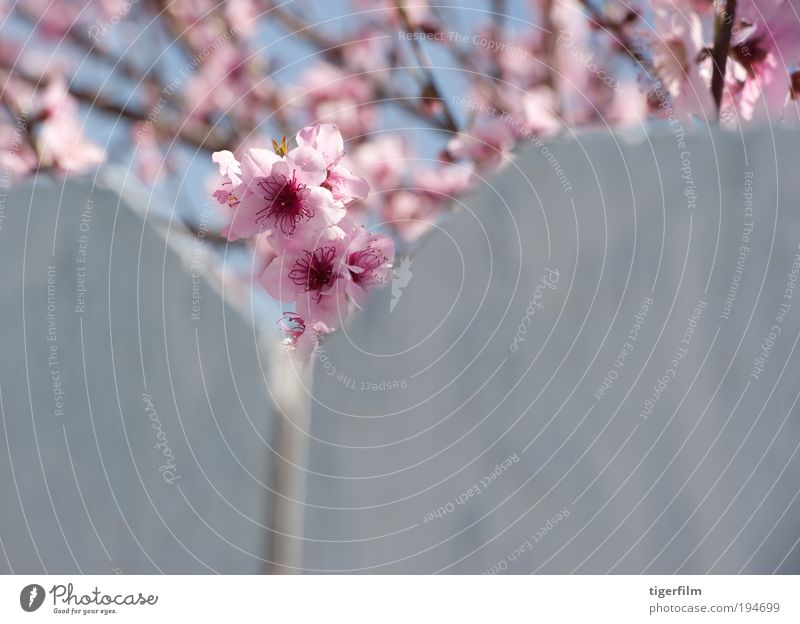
[{"x": 297, "y": 203}]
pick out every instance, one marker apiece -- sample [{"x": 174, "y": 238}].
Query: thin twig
[
  {"x": 205, "y": 137},
  {"x": 719, "y": 53},
  {"x": 617, "y": 31},
  {"x": 429, "y": 88},
  {"x": 332, "y": 52}
]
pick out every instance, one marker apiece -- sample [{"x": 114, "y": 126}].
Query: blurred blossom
[
  {"x": 228, "y": 81},
  {"x": 445, "y": 181},
  {"x": 17, "y": 158},
  {"x": 54, "y": 19},
  {"x": 765, "y": 49},
  {"x": 412, "y": 214},
  {"x": 418, "y": 12},
  {"x": 244, "y": 15},
  {"x": 60, "y": 142},
  {"x": 369, "y": 50},
  {"x": 383, "y": 160},
  {"x": 328, "y": 94},
  {"x": 150, "y": 162},
  {"x": 677, "y": 48},
  {"x": 488, "y": 144}
]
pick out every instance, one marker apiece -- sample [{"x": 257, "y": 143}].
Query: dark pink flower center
[
  {"x": 286, "y": 204},
  {"x": 369, "y": 259},
  {"x": 315, "y": 271}
]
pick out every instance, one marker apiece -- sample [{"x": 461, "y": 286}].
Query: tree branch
[
  {"x": 719, "y": 53},
  {"x": 429, "y": 88}
]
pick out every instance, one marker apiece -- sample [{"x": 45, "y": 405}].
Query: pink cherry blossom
[
  {"x": 383, "y": 160},
  {"x": 488, "y": 145},
  {"x": 60, "y": 141},
  {"x": 368, "y": 50},
  {"x": 677, "y": 46},
  {"x": 312, "y": 279},
  {"x": 331, "y": 95},
  {"x": 418, "y": 12},
  {"x": 445, "y": 180},
  {"x": 151, "y": 165},
  {"x": 243, "y": 13},
  {"x": 17, "y": 157},
  {"x": 231, "y": 187},
  {"x": 368, "y": 260},
  {"x": 340, "y": 180},
  {"x": 279, "y": 194},
  {"x": 764, "y": 51},
  {"x": 230, "y": 80},
  {"x": 410, "y": 214}
]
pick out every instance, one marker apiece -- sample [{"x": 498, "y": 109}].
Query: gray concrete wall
[
  {"x": 416, "y": 408},
  {"x": 436, "y": 443},
  {"x": 136, "y": 424}
]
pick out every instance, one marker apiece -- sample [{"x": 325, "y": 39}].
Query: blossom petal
[
  {"x": 326, "y": 139},
  {"x": 257, "y": 163},
  {"x": 307, "y": 165},
  {"x": 276, "y": 281},
  {"x": 228, "y": 165},
  {"x": 345, "y": 185}
]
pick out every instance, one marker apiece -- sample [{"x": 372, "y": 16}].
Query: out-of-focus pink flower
[
  {"x": 677, "y": 47},
  {"x": 514, "y": 55},
  {"x": 228, "y": 81},
  {"x": 330, "y": 95},
  {"x": 418, "y": 12},
  {"x": 197, "y": 21},
  {"x": 243, "y": 14},
  {"x": 151, "y": 166},
  {"x": 411, "y": 214},
  {"x": 444, "y": 180},
  {"x": 54, "y": 19},
  {"x": 60, "y": 142},
  {"x": 369, "y": 50},
  {"x": 383, "y": 160},
  {"x": 765, "y": 50},
  {"x": 539, "y": 112},
  {"x": 16, "y": 154},
  {"x": 488, "y": 145}
]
